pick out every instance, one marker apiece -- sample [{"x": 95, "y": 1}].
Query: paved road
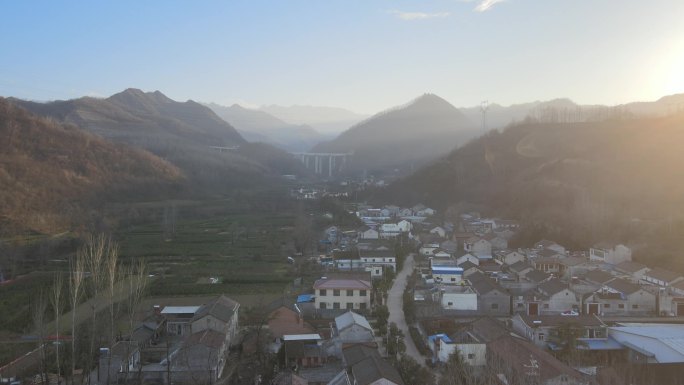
[{"x": 396, "y": 311}]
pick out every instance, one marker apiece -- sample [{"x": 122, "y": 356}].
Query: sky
[{"x": 363, "y": 55}]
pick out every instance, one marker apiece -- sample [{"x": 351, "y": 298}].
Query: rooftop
[
  {"x": 557, "y": 320},
  {"x": 350, "y": 318},
  {"x": 341, "y": 283},
  {"x": 630, "y": 266},
  {"x": 663, "y": 275},
  {"x": 372, "y": 369}
]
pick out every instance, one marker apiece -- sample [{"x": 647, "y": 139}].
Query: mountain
[
  {"x": 142, "y": 118},
  {"x": 581, "y": 182},
  {"x": 51, "y": 173},
  {"x": 499, "y": 116},
  {"x": 259, "y": 126},
  {"x": 403, "y": 137},
  {"x": 326, "y": 120},
  {"x": 187, "y": 134}
]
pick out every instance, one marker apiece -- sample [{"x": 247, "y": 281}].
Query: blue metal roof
[
  {"x": 453, "y": 272},
  {"x": 305, "y": 298},
  {"x": 440, "y": 336}
]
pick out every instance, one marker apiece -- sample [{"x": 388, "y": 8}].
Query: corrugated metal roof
[
  {"x": 301, "y": 337},
  {"x": 180, "y": 309}
]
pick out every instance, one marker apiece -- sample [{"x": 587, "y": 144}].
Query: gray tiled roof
[
  {"x": 598, "y": 276},
  {"x": 623, "y": 286},
  {"x": 221, "y": 307},
  {"x": 553, "y": 286},
  {"x": 372, "y": 369}
]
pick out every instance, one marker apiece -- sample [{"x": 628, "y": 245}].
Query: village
[{"x": 409, "y": 298}]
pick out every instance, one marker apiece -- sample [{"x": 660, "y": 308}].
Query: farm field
[{"x": 235, "y": 254}]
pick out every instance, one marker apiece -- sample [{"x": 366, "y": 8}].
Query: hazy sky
[{"x": 365, "y": 55}]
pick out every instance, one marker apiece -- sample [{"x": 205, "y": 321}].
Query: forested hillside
[
  {"x": 583, "y": 182},
  {"x": 51, "y": 174}
]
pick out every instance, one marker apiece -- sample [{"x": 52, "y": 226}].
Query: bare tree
[
  {"x": 39, "y": 309},
  {"x": 137, "y": 284},
  {"x": 56, "y": 302},
  {"x": 111, "y": 277},
  {"x": 76, "y": 275}
]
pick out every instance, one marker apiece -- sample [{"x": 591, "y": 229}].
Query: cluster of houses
[
  {"x": 174, "y": 344},
  {"x": 542, "y": 291},
  {"x": 467, "y": 268},
  {"x": 337, "y": 350}
]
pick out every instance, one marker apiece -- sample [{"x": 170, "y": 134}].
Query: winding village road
[{"x": 396, "y": 310}]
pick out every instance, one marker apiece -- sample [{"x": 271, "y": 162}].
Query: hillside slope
[
  {"x": 52, "y": 173},
  {"x": 582, "y": 179},
  {"x": 404, "y": 137},
  {"x": 181, "y": 132}
]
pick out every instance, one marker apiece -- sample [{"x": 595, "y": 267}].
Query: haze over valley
[{"x": 397, "y": 192}]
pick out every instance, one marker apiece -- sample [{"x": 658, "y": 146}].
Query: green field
[{"x": 246, "y": 252}]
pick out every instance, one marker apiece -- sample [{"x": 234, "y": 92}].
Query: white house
[
  {"x": 479, "y": 247},
  {"x": 220, "y": 315},
  {"x": 509, "y": 257},
  {"x": 340, "y": 293},
  {"x": 612, "y": 254},
  {"x": 366, "y": 232},
  {"x": 472, "y": 351},
  {"x": 405, "y": 226},
  {"x": 458, "y": 298},
  {"x": 438, "y": 231},
  {"x": 351, "y": 327},
  {"x": 468, "y": 257},
  {"x": 447, "y": 274},
  {"x": 389, "y": 230},
  {"x": 428, "y": 249}
]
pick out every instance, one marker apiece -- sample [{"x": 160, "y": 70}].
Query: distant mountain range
[
  {"x": 499, "y": 116},
  {"x": 260, "y": 126},
  {"x": 184, "y": 133},
  {"x": 52, "y": 173},
  {"x": 326, "y": 120},
  {"x": 403, "y": 138}
]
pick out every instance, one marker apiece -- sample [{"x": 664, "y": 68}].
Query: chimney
[{"x": 157, "y": 310}]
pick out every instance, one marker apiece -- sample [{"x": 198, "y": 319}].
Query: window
[
  {"x": 336, "y": 292},
  {"x": 520, "y": 305},
  {"x": 546, "y": 306},
  {"x": 541, "y": 337},
  {"x": 635, "y": 306},
  {"x": 606, "y": 305},
  {"x": 336, "y": 305},
  {"x": 450, "y": 303},
  {"x": 350, "y": 305},
  {"x": 495, "y": 306},
  {"x": 471, "y": 356},
  {"x": 322, "y": 293},
  {"x": 324, "y": 305},
  {"x": 621, "y": 306},
  {"x": 362, "y": 305},
  {"x": 350, "y": 293},
  {"x": 362, "y": 293},
  {"x": 453, "y": 279}
]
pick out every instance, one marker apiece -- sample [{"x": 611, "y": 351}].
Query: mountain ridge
[{"x": 404, "y": 136}]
